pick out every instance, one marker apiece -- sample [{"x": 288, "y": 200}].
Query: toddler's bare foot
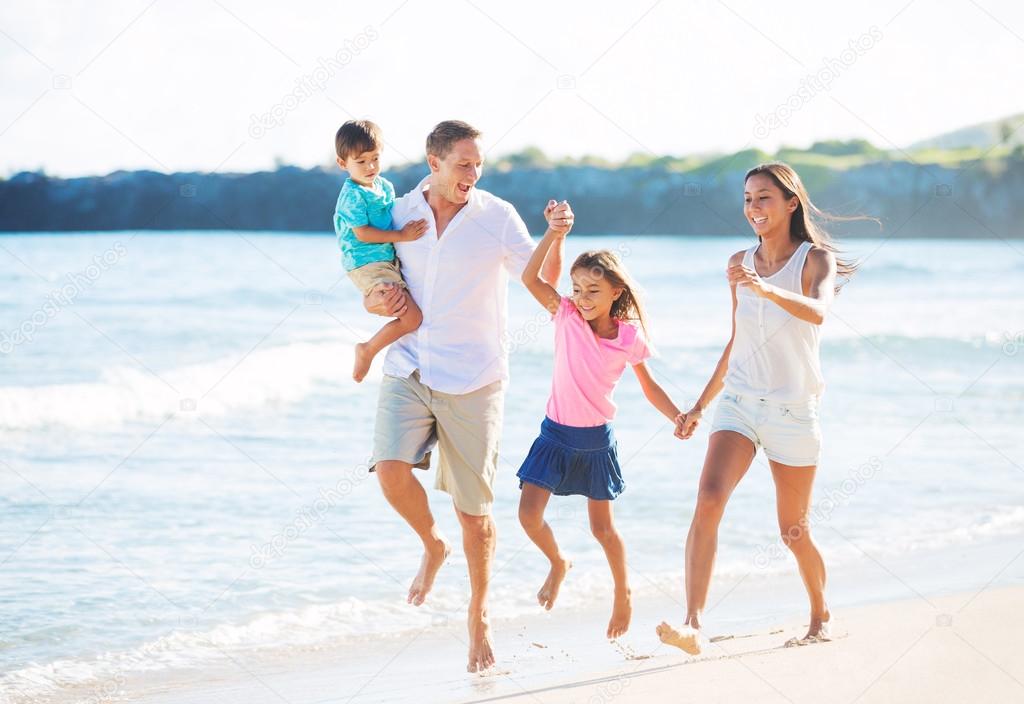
[
  {"x": 549, "y": 592},
  {"x": 363, "y": 360}
]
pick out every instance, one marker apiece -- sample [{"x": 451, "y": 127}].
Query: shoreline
[{"x": 562, "y": 656}]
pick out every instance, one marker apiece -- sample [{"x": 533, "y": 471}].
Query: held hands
[
  {"x": 560, "y": 217},
  {"x": 413, "y": 230},
  {"x": 740, "y": 275},
  {"x": 686, "y": 423}
]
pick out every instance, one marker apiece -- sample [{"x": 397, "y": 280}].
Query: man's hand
[
  {"x": 559, "y": 216},
  {"x": 387, "y": 300},
  {"x": 413, "y": 230}
]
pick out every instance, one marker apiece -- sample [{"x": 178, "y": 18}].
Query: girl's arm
[
  {"x": 654, "y": 393},
  {"x": 688, "y": 423},
  {"x": 544, "y": 292},
  {"x": 818, "y": 279},
  {"x": 412, "y": 230}
]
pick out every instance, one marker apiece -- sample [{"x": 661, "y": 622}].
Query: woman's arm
[
  {"x": 544, "y": 292},
  {"x": 654, "y": 393},
  {"x": 691, "y": 419},
  {"x": 818, "y": 282}
]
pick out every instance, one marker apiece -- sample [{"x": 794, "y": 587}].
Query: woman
[{"x": 771, "y": 374}]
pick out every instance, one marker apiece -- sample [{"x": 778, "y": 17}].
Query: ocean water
[{"x": 183, "y": 479}]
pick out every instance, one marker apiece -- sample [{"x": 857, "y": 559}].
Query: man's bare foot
[
  {"x": 363, "y": 360},
  {"x": 433, "y": 558},
  {"x": 687, "y": 638},
  {"x": 549, "y": 592},
  {"x": 481, "y": 655},
  {"x": 622, "y": 611}
]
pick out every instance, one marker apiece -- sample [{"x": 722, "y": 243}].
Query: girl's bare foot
[
  {"x": 481, "y": 654},
  {"x": 686, "y": 638},
  {"x": 549, "y": 592},
  {"x": 363, "y": 360},
  {"x": 622, "y": 611},
  {"x": 433, "y": 558}
]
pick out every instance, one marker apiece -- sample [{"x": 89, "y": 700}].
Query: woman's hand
[
  {"x": 740, "y": 275},
  {"x": 686, "y": 423},
  {"x": 560, "y": 217}
]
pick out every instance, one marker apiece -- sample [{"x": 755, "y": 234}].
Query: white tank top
[{"x": 774, "y": 354}]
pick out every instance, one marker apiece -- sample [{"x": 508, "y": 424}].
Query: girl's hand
[
  {"x": 740, "y": 275},
  {"x": 686, "y": 423},
  {"x": 559, "y": 216}
]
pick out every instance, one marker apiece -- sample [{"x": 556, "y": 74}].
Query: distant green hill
[
  {"x": 1006, "y": 132},
  {"x": 969, "y": 191}
]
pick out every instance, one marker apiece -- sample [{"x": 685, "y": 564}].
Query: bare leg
[
  {"x": 793, "y": 489},
  {"x": 728, "y": 458},
  {"x": 366, "y": 351},
  {"x": 532, "y": 503},
  {"x": 405, "y": 494},
  {"x": 603, "y": 527},
  {"x": 478, "y": 540}
]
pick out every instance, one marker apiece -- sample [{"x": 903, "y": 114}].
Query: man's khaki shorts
[
  {"x": 412, "y": 418},
  {"x": 369, "y": 275}
]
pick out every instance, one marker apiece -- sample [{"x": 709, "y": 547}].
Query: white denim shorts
[{"x": 788, "y": 432}]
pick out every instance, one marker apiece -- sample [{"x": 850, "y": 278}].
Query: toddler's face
[
  {"x": 363, "y": 168},
  {"x": 592, "y": 293}
]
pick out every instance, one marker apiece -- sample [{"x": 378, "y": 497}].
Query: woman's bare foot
[
  {"x": 481, "y": 655},
  {"x": 819, "y": 631},
  {"x": 549, "y": 592},
  {"x": 433, "y": 558},
  {"x": 687, "y": 638},
  {"x": 622, "y": 611},
  {"x": 363, "y": 360}
]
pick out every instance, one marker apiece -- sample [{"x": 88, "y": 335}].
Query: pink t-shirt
[{"x": 588, "y": 367}]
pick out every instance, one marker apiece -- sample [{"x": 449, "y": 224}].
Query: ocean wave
[{"x": 275, "y": 375}]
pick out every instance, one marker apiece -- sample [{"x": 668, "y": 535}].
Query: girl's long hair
[
  {"x": 804, "y": 225},
  {"x": 602, "y": 263}
]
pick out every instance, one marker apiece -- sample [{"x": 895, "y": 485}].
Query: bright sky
[{"x": 92, "y": 87}]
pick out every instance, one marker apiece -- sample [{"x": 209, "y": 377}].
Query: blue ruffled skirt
[{"x": 567, "y": 460}]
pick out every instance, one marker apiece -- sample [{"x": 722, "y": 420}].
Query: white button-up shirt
[{"x": 460, "y": 281}]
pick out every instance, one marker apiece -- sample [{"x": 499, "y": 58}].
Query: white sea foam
[{"x": 273, "y": 375}]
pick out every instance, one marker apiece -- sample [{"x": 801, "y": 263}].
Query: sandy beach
[{"x": 956, "y": 648}]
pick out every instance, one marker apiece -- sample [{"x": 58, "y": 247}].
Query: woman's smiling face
[{"x": 766, "y": 206}]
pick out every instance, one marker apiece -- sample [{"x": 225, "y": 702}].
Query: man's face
[{"x": 456, "y": 174}]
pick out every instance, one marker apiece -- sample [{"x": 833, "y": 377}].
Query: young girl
[{"x": 597, "y": 332}]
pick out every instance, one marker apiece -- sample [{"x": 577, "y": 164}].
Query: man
[{"x": 444, "y": 383}]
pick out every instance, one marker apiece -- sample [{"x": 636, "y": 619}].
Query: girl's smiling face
[{"x": 593, "y": 294}]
